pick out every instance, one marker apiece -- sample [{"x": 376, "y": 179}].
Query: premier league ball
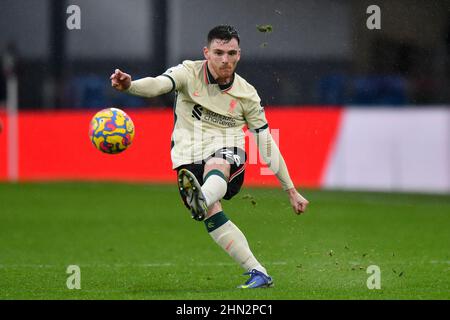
[{"x": 111, "y": 130}]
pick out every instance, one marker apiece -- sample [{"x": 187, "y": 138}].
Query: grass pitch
[{"x": 136, "y": 241}]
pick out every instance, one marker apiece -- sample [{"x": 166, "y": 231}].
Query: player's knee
[
  {"x": 215, "y": 161},
  {"x": 215, "y": 208},
  {"x": 218, "y": 164}
]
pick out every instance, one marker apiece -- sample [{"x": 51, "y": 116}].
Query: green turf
[{"x": 137, "y": 241}]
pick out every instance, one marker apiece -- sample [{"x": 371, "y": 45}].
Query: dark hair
[{"x": 223, "y": 32}]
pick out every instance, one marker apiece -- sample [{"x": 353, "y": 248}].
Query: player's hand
[
  {"x": 298, "y": 202},
  {"x": 120, "y": 80}
]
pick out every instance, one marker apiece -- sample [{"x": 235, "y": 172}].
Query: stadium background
[
  {"x": 404, "y": 65},
  {"x": 357, "y": 109}
]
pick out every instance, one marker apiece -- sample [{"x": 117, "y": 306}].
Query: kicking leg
[
  {"x": 198, "y": 198},
  {"x": 215, "y": 177},
  {"x": 204, "y": 202}
]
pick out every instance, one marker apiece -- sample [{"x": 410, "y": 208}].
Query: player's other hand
[
  {"x": 298, "y": 203},
  {"x": 120, "y": 80}
]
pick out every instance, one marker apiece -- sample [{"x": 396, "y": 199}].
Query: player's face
[{"x": 222, "y": 57}]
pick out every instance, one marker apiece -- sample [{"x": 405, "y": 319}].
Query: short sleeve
[
  {"x": 178, "y": 75},
  {"x": 254, "y": 114}
]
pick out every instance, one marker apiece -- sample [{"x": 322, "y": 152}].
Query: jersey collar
[{"x": 209, "y": 79}]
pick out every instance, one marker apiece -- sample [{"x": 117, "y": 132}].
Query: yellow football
[{"x": 111, "y": 130}]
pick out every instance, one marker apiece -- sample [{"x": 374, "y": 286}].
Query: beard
[{"x": 226, "y": 71}]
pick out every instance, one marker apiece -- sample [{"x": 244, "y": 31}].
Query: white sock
[
  {"x": 233, "y": 241},
  {"x": 214, "y": 189}
]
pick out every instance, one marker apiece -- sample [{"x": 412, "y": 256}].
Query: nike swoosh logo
[{"x": 248, "y": 285}]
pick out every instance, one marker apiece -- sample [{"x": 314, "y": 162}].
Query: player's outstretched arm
[
  {"x": 147, "y": 87},
  {"x": 120, "y": 80},
  {"x": 272, "y": 156}
]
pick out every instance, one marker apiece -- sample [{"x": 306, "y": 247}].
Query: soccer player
[{"x": 212, "y": 105}]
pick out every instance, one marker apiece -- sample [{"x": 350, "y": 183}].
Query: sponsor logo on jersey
[
  {"x": 197, "y": 111},
  {"x": 200, "y": 113}
]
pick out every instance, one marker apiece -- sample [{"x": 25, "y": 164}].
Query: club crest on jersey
[{"x": 233, "y": 104}]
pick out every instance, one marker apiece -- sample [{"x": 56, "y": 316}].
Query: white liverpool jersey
[{"x": 209, "y": 116}]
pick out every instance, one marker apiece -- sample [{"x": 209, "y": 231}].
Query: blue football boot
[{"x": 257, "y": 280}]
